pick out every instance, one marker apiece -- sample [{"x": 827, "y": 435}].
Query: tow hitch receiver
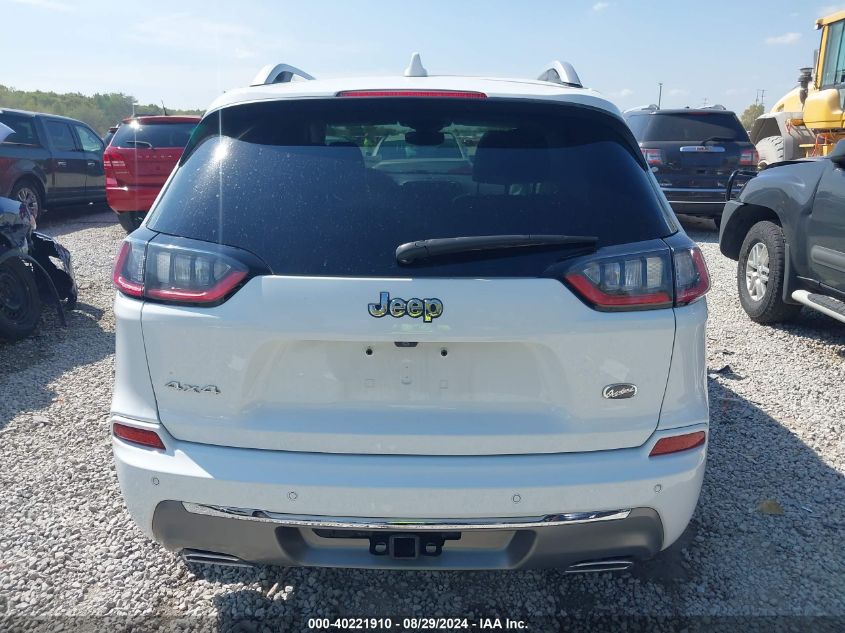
[{"x": 406, "y": 546}]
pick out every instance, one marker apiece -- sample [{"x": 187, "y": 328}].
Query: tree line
[{"x": 100, "y": 111}]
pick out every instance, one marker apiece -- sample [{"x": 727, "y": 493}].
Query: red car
[{"x": 141, "y": 155}]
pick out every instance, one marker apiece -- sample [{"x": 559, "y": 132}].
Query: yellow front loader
[{"x": 810, "y": 119}]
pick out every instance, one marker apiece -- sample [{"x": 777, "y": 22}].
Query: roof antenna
[
  {"x": 163, "y": 108},
  {"x": 415, "y": 68}
]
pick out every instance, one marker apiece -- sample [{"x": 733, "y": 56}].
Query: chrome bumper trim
[
  {"x": 698, "y": 189},
  {"x": 722, "y": 202},
  {"x": 413, "y": 525}
]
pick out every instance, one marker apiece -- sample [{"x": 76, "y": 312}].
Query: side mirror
[{"x": 838, "y": 154}]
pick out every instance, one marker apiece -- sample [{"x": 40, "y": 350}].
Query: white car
[{"x": 320, "y": 365}]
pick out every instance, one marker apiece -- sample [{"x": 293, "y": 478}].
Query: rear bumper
[
  {"x": 637, "y": 536},
  {"x": 693, "y": 201},
  {"x": 661, "y": 492},
  {"x": 131, "y": 198},
  {"x": 698, "y": 207}
]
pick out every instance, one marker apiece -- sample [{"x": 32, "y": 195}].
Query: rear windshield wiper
[
  {"x": 140, "y": 144},
  {"x": 717, "y": 138},
  {"x": 424, "y": 249}
]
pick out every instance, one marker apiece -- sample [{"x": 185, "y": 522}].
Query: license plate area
[
  {"x": 702, "y": 160},
  {"x": 400, "y": 546}
]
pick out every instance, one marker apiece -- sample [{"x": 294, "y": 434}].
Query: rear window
[
  {"x": 135, "y": 134},
  {"x": 24, "y": 130},
  {"x": 691, "y": 126},
  {"x": 302, "y": 185}
]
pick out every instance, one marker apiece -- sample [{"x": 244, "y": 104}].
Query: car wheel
[
  {"x": 130, "y": 220},
  {"x": 30, "y": 195},
  {"x": 20, "y": 303},
  {"x": 762, "y": 262}
]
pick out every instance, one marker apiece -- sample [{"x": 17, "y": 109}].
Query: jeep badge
[{"x": 428, "y": 309}]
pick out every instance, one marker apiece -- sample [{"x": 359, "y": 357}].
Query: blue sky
[{"x": 187, "y": 52}]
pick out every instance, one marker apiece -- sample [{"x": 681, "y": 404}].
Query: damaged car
[{"x": 34, "y": 269}]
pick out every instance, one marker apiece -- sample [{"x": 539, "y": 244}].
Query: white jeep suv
[{"x": 320, "y": 362}]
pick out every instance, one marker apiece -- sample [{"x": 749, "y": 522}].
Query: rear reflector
[
  {"x": 144, "y": 437},
  {"x": 455, "y": 94},
  {"x": 678, "y": 443}
]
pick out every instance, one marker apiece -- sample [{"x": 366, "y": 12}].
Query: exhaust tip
[
  {"x": 212, "y": 558},
  {"x": 598, "y": 566}
]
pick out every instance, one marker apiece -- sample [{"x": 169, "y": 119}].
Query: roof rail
[
  {"x": 652, "y": 107},
  {"x": 278, "y": 74},
  {"x": 561, "y": 73}
]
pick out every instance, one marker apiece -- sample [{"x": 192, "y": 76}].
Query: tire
[
  {"x": 30, "y": 194},
  {"x": 20, "y": 303},
  {"x": 759, "y": 275},
  {"x": 771, "y": 150},
  {"x": 130, "y": 220}
]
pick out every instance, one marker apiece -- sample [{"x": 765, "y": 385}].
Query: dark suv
[
  {"x": 50, "y": 161},
  {"x": 787, "y": 233},
  {"x": 693, "y": 154}
]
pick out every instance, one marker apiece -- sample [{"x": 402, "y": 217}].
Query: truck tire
[
  {"x": 771, "y": 150},
  {"x": 130, "y": 220},
  {"x": 759, "y": 275},
  {"x": 20, "y": 303},
  {"x": 29, "y": 193}
]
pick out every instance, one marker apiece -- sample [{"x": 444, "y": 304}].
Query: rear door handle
[{"x": 61, "y": 163}]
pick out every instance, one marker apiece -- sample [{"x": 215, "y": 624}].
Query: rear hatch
[
  {"x": 144, "y": 152},
  {"x": 336, "y": 346},
  {"x": 693, "y": 153}
]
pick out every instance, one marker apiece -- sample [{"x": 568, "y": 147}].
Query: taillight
[
  {"x": 456, "y": 94},
  {"x": 113, "y": 164},
  {"x": 128, "y": 273},
  {"x": 144, "y": 437},
  {"x": 692, "y": 280},
  {"x": 749, "y": 157},
  {"x": 644, "y": 281},
  {"x": 625, "y": 283},
  {"x": 653, "y": 156},
  {"x": 678, "y": 443},
  {"x": 201, "y": 275}
]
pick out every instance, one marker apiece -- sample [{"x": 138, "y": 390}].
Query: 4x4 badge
[
  {"x": 619, "y": 391},
  {"x": 428, "y": 309},
  {"x": 183, "y": 386}
]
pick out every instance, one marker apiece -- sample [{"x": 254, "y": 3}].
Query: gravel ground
[{"x": 68, "y": 547}]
